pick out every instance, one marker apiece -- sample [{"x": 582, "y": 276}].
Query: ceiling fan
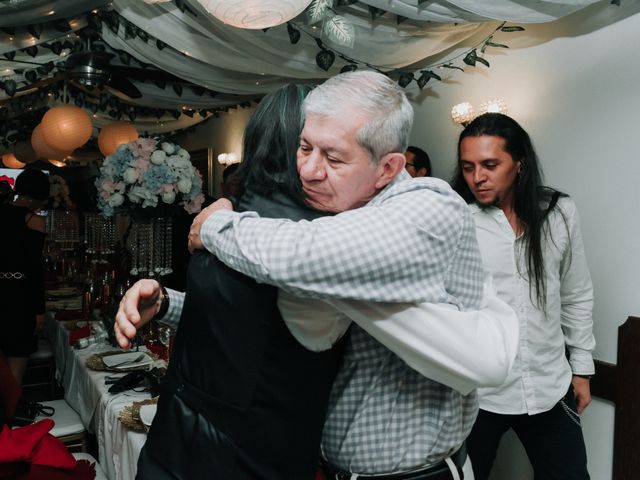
[{"x": 91, "y": 67}]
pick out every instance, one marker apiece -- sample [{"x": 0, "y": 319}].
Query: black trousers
[{"x": 553, "y": 441}]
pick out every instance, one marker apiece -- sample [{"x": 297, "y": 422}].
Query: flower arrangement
[
  {"x": 59, "y": 193},
  {"x": 144, "y": 175}
]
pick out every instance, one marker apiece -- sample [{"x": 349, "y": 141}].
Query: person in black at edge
[
  {"x": 22, "y": 270},
  {"x": 242, "y": 399}
]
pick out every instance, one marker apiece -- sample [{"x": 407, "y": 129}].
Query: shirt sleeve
[
  {"x": 576, "y": 293},
  {"x": 400, "y": 250},
  {"x": 463, "y": 350},
  {"x": 176, "y": 301}
]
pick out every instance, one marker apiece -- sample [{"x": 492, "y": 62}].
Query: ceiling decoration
[
  {"x": 168, "y": 65},
  {"x": 254, "y": 14}
]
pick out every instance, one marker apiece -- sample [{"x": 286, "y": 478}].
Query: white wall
[
  {"x": 575, "y": 88},
  {"x": 574, "y": 85},
  {"x": 223, "y": 135}
]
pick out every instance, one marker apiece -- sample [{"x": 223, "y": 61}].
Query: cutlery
[{"x": 135, "y": 360}]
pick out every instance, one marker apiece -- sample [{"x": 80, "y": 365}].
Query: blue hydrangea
[
  {"x": 106, "y": 209},
  {"x": 119, "y": 161},
  {"x": 157, "y": 176}
]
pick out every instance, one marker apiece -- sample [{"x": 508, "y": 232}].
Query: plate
[
  {"x": 117, "y": 361},
  {"x": 147, "y": 412}
]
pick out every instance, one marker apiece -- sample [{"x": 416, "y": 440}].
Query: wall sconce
[
  {"x": 496, "y": 105},
  {"x": 463, "y": 113},
  {"x": 228, "y": 158}
]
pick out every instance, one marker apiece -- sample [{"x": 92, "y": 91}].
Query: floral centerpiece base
[{"x": 150, "y": 181}]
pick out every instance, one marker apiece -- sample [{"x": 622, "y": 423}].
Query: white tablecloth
[{"x": 85, "y": 390}]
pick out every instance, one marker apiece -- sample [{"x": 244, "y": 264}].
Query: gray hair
[{"x": 390, "y": 114}]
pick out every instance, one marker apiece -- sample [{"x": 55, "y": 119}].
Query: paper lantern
[
  {"x": 42, "y": 148},
  {"x": 24, "y": 152},
  {"x": 10, "y": 161},
  {"x": 66, "y": 127},
  {"x": 254, "y": 14},
  {"x": 115, "y": 134},
  {"x": 57, "y": 163}
]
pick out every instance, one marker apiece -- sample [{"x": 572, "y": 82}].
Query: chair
[
  {"x": 10, "y": 391},
  {"x": 68, "y": 425},
  {"x": 100, "y": 475},
  {"x": 39, "y": 379}
]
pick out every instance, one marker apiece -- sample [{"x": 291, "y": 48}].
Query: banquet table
[{"x": 86, "y": 392}]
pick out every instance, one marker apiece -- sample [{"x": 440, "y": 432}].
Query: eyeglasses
[{"x": 407, "y": 164}]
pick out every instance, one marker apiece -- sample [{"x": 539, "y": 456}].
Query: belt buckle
[{"x": 345, "y": 476}]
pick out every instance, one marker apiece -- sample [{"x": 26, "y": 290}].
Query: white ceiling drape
[{"x": 242, "y": 65}]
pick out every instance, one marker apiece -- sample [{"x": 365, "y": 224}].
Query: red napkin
[
  {"x": 33, "y": 444},
  {"x": 10, "y": 391},
  {"x": 159, "y": 349},
  {"x": 78, "y": 333},
  {"x": 31, "y": 452},
  {"x": 69, "y": 315}
]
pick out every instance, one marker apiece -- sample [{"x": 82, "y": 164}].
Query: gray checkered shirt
[{"x": 414, "y": 242}]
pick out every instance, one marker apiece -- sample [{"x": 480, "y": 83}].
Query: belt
[
  {"x": 11, "y": 275},
  {"x": 436, "y": 471}
]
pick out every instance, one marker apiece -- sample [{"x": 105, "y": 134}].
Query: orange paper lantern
[
  {"x": 10, "y": 161},
  {"x": 115, "y": 134},
  {"x": 66, "y": 127},
  {"x": 57, "y": 163},
  {"x": 24, "y": 152},
  {"x": 42, "y": 148}
]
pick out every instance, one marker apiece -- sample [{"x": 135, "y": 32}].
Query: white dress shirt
[{"x": 541, "y": 374}]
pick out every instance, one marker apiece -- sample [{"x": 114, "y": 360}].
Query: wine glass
[{"x": 164, "y": 336}]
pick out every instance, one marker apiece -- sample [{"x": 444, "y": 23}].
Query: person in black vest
[{"x": 242, "y": 398}]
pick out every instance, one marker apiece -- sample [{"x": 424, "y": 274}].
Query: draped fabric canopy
[{"x": 233, "y": 65}]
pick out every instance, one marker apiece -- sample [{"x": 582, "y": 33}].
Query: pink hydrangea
[
  {"x": 143, "y": 147},
  {"x": 195, "y": 205}
]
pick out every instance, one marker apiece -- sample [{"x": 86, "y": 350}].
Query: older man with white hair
[{"x": 430, "y": 330}]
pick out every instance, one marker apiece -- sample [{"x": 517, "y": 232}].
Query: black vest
[{"x": 243, "y": 399}]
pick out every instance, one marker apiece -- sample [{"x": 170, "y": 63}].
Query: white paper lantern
[{"x": 254, "y": 14}]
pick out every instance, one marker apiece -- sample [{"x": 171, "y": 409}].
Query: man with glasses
[{"x": 418, "y": 163}]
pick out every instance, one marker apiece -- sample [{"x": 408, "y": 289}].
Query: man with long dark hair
[{"x": 530, "y": 240}]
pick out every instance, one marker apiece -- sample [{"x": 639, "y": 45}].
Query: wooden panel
[
  {"x": 603, "y": 384},
  {"x": 626, "y": 461}
]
